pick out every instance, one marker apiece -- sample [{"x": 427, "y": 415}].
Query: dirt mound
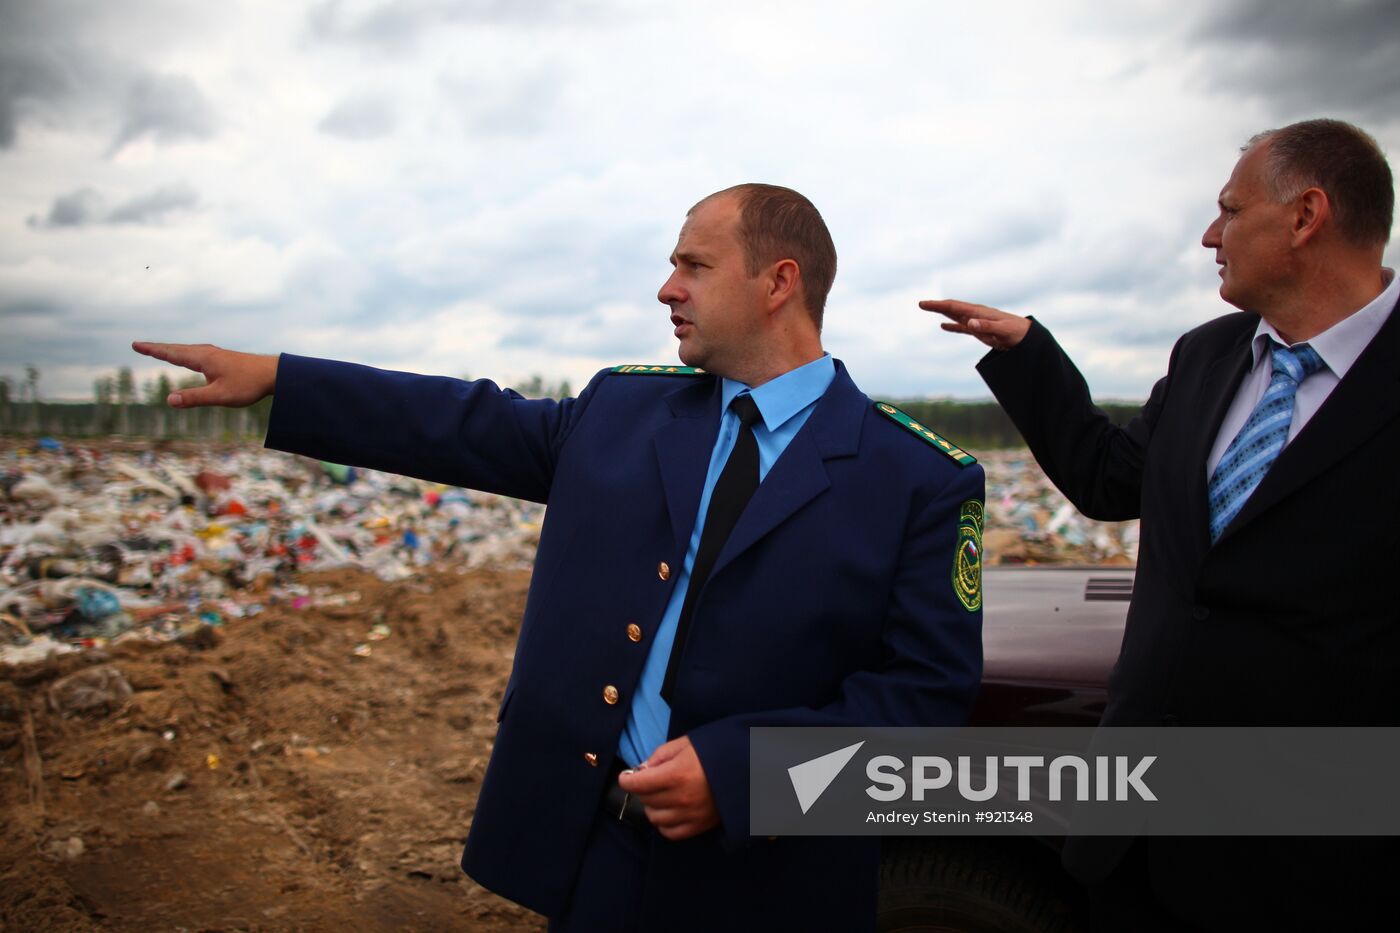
[{"x": 304, "y": 769}]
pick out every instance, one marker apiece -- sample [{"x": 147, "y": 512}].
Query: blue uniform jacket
[{"x": 832, "y": 603}]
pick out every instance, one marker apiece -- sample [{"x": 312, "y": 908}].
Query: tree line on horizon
[{"x": 119, "y": 407}]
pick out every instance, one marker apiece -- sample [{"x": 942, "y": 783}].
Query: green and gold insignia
[
  {"x": 942, "y": 445},
  {"x": 644, "y": 369},
  {"x": 967, "y": 564}
]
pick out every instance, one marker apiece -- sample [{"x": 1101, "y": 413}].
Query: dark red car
[{"x": 1050, "y": 638}]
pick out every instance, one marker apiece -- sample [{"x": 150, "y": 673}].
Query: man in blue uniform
[{"x": 743, "y": 540}]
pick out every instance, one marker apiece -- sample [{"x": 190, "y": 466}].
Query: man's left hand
[{"x": 672, "y": 786}]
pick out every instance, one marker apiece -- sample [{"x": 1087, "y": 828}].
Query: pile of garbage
[
  {"x": 1030, "y": 522},
  {"x": 106, "y": 542},
  {"x": 100, "y": 543}
]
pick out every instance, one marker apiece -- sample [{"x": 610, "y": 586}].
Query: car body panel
[{"x": 1050, "y": 638}]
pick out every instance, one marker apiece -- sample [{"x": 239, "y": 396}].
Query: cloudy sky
[{"x": 492, "y": 187}]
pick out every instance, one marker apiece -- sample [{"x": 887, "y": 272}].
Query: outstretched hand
[
  {"x": 674, "y": 791},
  {"x": 999, "y": 330},
  {"x": 232, "y": 379}
]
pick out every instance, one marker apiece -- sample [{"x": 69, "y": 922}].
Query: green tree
[
  {"x": 126, "y": 394},
  {"x": 103, "y": 389},
  {"x": 6, "y": 392},
  {"x": 31, "y": 383},
  {"x": 126, "y": 386},
  {"x": 536, "y": 387},
  {"x": 156, "y": 390}
]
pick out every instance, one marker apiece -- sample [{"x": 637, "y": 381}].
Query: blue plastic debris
[{"x": 96, "y": 604}]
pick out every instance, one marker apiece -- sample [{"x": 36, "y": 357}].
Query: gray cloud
[
  {"x": 359, "y": 118},
  {"x": 155, "y": 205},
  {"x": 28, "y": 307},
  {"x": 1135, "y": 263},
  {"x": 518, "y": 108},
  {"x": 65, "y": 62},
  {"x": 24, "y": 79},
  {"x": 396, "y": 25},
  {"x": 590, "y": 335},
  {"x": 1007, "y": 234},
  {"x": 973, "y": 240},
  {"x": 538, "y": 267},
  {"x": 52, "y": 351},
  {"x": 1136, "y": 334},
  {"x": 1308, "y": 58},
  {"x": 31, "y": 73},
  {"x": 168, "y": 108},
  {"x": 521, "y": 109},
  {"x": 45, "y": 334},
  {"x": 518, "y": 105},
  {"x": 77, "y": 209},
  {"x": 55, "y": 331},
  {"x": 86, "y": 207}
]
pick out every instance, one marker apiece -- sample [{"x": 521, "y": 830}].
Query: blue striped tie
[{"x": 1257, "y": 446}]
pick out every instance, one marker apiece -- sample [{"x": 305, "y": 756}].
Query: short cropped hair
[
  {"x": 777, "y": 223},
  {"x": 1345, "y": 162}
]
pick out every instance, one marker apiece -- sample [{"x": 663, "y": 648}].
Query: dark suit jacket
[
  {"x": 1289, "y": 619},
  {"x": 831, "y": 603}
]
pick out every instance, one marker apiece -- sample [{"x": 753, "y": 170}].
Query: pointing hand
[
  {"x": 232, "y": 379},
  {"x": 999, "y": 330}
]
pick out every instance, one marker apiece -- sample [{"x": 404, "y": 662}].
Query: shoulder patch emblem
[
  {"x": 942, "y": 445},
  {"x": 967, "y": 563},
  {"x": 644, "y": 369}
]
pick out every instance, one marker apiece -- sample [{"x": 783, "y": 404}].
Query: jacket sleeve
[
  {"x": 445, "y": 430},
  {"x": 930, "y": 668},
  {"x": 1095, "y": 463}
]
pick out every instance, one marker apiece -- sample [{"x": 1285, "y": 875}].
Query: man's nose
[
  {"x": 670, "y": 292},
  {"x": 1211, "y": 238}
]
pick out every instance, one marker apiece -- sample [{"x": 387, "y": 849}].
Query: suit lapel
[
  {"x": 683, "y": 448},
  {"x": 1366, "y": 399},
  {"x": 799, "y": 475}
]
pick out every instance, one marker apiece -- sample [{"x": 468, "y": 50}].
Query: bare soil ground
[{"x": 265, "y": 776}]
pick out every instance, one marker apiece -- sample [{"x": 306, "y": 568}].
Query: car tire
[{"x": 969, "y": 885}]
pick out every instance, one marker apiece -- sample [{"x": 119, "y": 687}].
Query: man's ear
[
  {"x": 784, "y": 283},
  {"x": 1312, "y": 212}
]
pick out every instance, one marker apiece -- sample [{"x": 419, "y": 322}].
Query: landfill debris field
[{"x": 245, "y": 690}]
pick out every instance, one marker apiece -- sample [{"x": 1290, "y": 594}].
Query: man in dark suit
[
  {"x": 1264, "y": 478},
  {"x": 843, "y": 589}
]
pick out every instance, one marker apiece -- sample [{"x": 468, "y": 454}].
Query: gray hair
[{"x": 1342, "y": 160}]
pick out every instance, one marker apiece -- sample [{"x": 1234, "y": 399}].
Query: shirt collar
[
  {"x": 1340, "y": 344},
  {"x": 781, "y": 398}
]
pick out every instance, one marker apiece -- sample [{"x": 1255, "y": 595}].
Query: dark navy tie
[
  {"x": 733, "y": 490},
  {"x": 1259, "y": 442}
]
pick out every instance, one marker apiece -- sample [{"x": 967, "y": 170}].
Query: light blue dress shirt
[{"x": 785, "y": 404}]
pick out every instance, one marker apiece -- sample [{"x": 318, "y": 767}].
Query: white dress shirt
[{"x": 1338, "y": 345}]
